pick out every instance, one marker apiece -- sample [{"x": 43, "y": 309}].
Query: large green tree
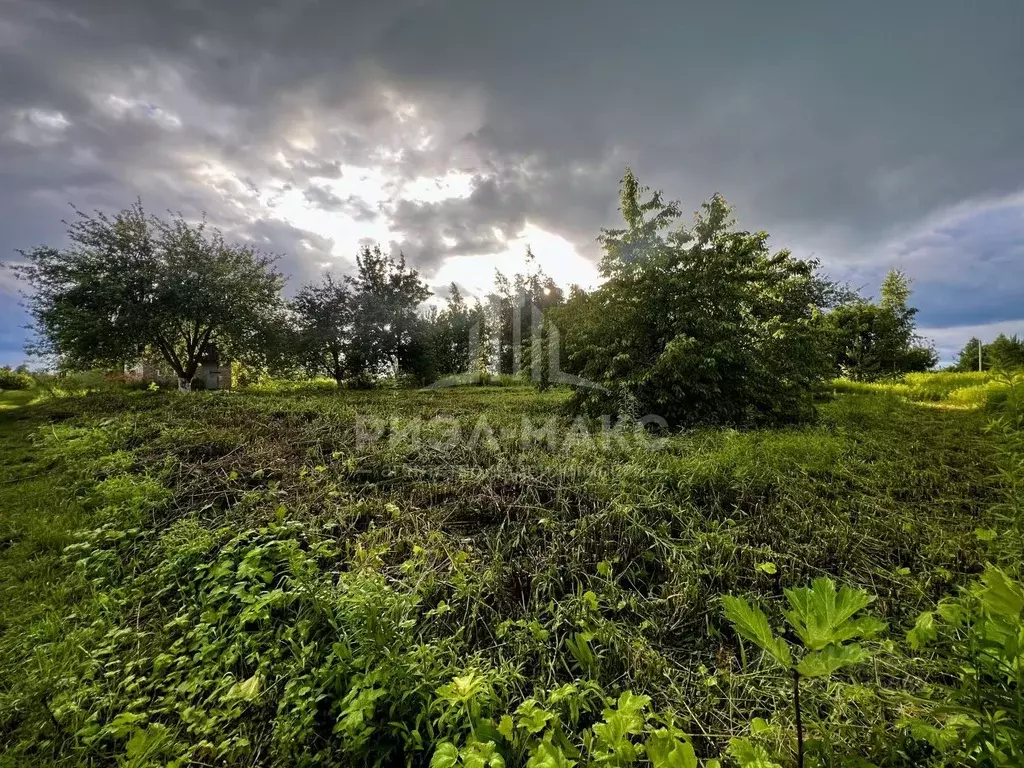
[
  {"x": 133, "y": 285},
  {"x": 387, "y": 324},
  {"x": 453, "y": 334},
  {"x": 696, "y": 324}
]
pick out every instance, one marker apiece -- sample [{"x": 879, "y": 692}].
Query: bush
[
  {"x": 14, "y": 379},
  {"x": 660, "y": 335}
]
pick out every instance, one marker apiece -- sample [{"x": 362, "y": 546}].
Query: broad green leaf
[
  {"x": 666, "y": 751},
  {"x": 445, "y": 756},
  {"x": 759, "y": 725},
  {"x": 630, "y": 703},
  {"x": 821, "y": 616},
  {"x": 834, "y": 657},
  {"x": 751, "y": 624},
  {"x": 506, "y": 728},
  {"x": 245, "y": 690},
  {"x": 1001, "y": 595},
  {"x": 751, "y": 755},
  {"x": 482, "y": 754},
  {"x": 923, "y": 631},
  {"x": 548, "y": 755},
  {"x": 532, "y": 716}
]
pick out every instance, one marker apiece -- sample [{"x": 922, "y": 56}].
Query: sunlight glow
[{"x": 554, "y": 254}]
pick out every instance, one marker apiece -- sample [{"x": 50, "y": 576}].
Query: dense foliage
[
  {"x": 14, "y": 379},
  {"x": 455, "y": 338},
  {"x": 134, "y": 285},
  {"x": 522, "y": 320},
  {"x": 355, "y": 328},
  {"x": 699, "y": 324}
]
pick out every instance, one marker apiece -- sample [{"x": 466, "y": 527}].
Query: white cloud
[
  {"x": 38, "y": 127},
  {"x": 140, "y": 109},
  {"x": 425, "y": 189}
]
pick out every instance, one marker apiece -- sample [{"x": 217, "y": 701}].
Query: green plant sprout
[{"x": 824, "y": 621}]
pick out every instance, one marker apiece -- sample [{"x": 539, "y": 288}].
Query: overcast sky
[{"x": 869, "y": 134}]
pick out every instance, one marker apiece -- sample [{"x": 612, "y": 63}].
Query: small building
[{"x": 213, "y": 373}]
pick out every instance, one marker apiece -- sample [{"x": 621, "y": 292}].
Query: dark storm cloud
[{"x": 840, "y": 128}]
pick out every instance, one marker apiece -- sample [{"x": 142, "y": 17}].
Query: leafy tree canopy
[
  {"x": 133, "y": 284},
  {"x": 697, "y": 324},
  {"x": 357, "y": 327}
]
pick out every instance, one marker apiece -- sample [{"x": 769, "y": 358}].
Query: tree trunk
[{"x": 184, "y": 385}]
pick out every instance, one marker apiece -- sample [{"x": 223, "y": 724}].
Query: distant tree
[
  {"x": 519, "y": 306},
  {"x": 386, "y": 323},
  {"x": 14, "y": 379},
  {"x": 1004, "y": 353},
  {"x": 134, "y": 285},
  {"x": 451, "y": 335},
  {"x": 972, "y": 356},
  {"x": 359, "y": 327},
  {"x": 874, "y": 341},
  {"x": 699, "y": 324},
  {"x": 324, "y": 317}
]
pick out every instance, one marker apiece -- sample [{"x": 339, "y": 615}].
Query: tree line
[
  {"x": 1003, "y": 353},
  {"x": 699, "y": 322}
]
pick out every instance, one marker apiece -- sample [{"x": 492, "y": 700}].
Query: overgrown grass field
[{"x": 396, "y": 577}]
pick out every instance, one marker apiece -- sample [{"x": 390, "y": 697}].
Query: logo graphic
[{"x": 542, "y": 332}]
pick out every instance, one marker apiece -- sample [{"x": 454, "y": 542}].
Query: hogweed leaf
[
  {"x": 548, "y": 755},
  {"x": 751, "y": 624},
  {"x": 532, "y": 716},
  {"x": 245, "y": 690},
  {"x": 923, "y": 632},
  {"x": 482, "y": 754},
  {"x": 506, "y": 727},
  {"x": 631, "y": 704},
  {"x": 751, "y": 755},
  {"x": 834, "y": 657},
  {"x": 1000, "y": 595},
  {"x": 820, "y": 616}
]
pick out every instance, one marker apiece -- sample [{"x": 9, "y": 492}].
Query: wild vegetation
[
  {"x": 640, "y": 525},
  {"x": 307, "y": 578}
]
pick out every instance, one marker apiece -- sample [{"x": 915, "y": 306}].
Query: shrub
[
  {"x": 14, "y": 379},
  {"x": 659, "y": 336}
]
